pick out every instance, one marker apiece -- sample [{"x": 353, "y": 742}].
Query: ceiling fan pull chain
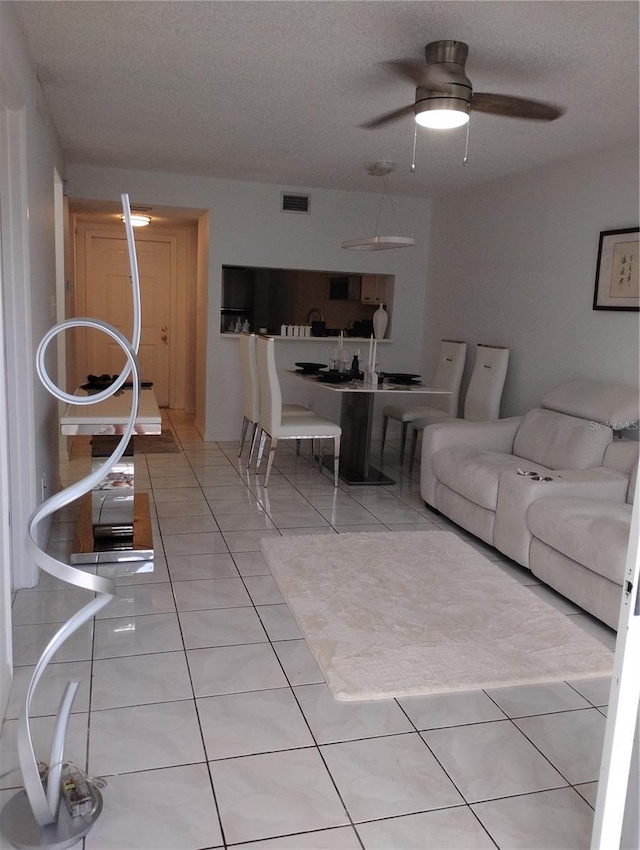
[
  {"x": 466, "y": 146},
  {"x": 413, "y": 155}
]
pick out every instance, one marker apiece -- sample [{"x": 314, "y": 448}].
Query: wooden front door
[{"x": 108, "y": 297}]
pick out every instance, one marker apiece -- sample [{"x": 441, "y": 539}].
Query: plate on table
[
  {"x": 333, "y": 377},
  {"x": 402, "y": 378},
  {"x": 310, "y": 368}
]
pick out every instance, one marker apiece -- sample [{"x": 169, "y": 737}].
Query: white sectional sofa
[{"x": 552, "y": 489}]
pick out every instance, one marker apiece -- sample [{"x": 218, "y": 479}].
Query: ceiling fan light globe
[{"x": 440, "y": 117}]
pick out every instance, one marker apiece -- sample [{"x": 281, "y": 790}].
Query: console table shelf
[{"x": 115, "y": 521}]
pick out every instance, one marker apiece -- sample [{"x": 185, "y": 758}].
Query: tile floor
[{"x": 205, "y": 711}]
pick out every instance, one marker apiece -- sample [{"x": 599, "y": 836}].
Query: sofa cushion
[
  {"x": 632, "y": 485},
  {"x": 622, "y": 455},
  {"x": 558, "y": 441},
  {"x": 590, "y": 591},
  {"x": 475, "y": 474},
  {"x": 615, "y": 405},
  {"x": 593, "y": 532}
]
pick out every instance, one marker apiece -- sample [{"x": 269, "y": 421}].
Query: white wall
[
  {"x": 29, "y": 234},
  {"x": 29, "y": 153},
  {"x": 246, "y": 227},
  {"x": 513, "y": 263}
]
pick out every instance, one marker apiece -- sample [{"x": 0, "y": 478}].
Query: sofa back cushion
[
  {"x": 558, "y": 441},
  {"x": 613, "y": 404}
]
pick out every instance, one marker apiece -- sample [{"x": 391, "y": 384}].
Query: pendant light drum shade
[{"x": 378, "y": 243}]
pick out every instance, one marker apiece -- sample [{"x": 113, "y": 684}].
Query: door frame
[
  {"x": 18, "y": 348},
  {"x": 17, "y": 437}
]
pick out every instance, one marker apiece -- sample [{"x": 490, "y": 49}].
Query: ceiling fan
[{"x": 445, "y": 96}]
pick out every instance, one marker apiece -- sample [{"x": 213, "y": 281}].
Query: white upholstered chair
[
  {"x": 448, "y": 376},
  {"x": 251, "y": 394},
  {"x": 301, "y": 424},
  {"x": 482, "y": 399}
]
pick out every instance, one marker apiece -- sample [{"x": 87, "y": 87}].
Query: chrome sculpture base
[{"x": 19, "y": 826}]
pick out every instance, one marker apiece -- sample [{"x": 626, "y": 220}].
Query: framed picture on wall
[{"x": 617, "y": 286}]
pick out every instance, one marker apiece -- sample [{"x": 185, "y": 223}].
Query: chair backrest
[
  {"x": 250, "y": 388},
  {"x": 482, "y": 401},
  {"x": 270, "y": 394},
  {"x": 448, "y": 375}
]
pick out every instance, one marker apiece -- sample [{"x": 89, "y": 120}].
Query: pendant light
[{"x": 379, "y": 242}]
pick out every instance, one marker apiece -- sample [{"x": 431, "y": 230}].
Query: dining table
[{"x": 356, "y": 420}]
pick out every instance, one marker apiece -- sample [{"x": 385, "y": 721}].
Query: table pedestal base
[
  {"x": 356, "y": 421},
  {"x": 354, "y": 476}
]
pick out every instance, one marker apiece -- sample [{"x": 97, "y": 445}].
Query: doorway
[{"x": 167, "y": 264}]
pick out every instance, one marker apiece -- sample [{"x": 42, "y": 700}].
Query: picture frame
[{"x": 617, "y": 284}]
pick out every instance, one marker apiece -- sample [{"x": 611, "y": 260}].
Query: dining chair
[
  {"x": 251, "y": 394},
  {"x": 300, "y": 424},
  {"x": 482, "y": 399},
  {"x": 448, "y": 376}
]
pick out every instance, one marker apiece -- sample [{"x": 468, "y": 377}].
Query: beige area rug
[
  {"x": 155, "y": 444},
  {"x": 406, "y": 613}
]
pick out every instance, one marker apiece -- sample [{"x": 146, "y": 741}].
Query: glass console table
[{"x": 115, "y": 521}]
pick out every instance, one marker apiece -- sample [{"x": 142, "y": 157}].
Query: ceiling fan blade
[
  {"x": 388, "y": 117},
  {"x": 425, "y": 76},
  {"x": 515, "y": 107},
  {"x": 408, "y": 69}
]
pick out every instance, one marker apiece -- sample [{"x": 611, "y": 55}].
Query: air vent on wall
[{"x": 295, "y": 203}]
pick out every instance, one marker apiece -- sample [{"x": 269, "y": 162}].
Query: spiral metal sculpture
[{"x": 34, "y": 817}]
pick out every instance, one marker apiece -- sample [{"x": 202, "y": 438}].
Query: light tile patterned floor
[{"x": 203, "y": 707}]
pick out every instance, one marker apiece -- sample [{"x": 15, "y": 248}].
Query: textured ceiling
[{"x": 274, "y": 91}]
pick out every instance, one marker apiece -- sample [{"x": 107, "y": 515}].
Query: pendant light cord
[{"x": 386, "y": 192}]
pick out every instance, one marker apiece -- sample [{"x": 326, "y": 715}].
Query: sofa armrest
[
  {"x": 511, "y": 535},
  {"x": 489, "y": 436}
]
